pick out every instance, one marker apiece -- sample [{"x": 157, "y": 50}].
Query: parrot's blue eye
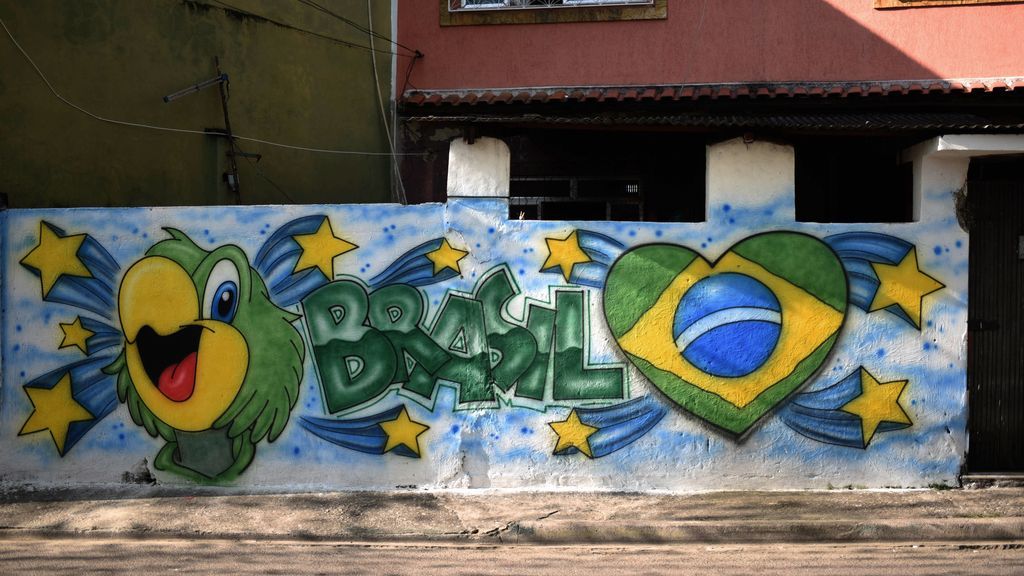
[
  {"x": 225, "y": 302},
  {"x": 220, "y": 299}
]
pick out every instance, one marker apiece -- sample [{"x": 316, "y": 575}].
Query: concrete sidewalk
[{"x": 536, "y": 517}]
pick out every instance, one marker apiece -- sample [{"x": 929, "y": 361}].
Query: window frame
[
  {"x": 656, "y": 10},
  {"x": 898, "y": 4}
]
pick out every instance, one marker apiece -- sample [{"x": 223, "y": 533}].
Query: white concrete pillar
[
  {"x": 478, "y": 170},
  {"x": 745, "y": 175},
  {"x": 941, "y": 164}
]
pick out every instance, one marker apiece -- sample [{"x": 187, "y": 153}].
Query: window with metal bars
[
  {"x": 594, "y": 175},
  {"x": 457, "y": 5},
  {"x": 483, "y": 12}
]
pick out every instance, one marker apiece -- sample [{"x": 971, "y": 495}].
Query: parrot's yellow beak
[{"x": 186, "y": 369}]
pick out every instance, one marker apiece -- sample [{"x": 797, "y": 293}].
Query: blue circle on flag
[{"x": 727, "y": 324}]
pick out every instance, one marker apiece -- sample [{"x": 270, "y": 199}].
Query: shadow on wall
[{"x": 706, "y": 42}]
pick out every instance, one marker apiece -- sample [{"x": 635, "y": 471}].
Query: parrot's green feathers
[{"x": 276, "y": 351}]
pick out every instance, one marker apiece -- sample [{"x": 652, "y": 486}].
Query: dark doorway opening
[{"x": 995, "y": 357}]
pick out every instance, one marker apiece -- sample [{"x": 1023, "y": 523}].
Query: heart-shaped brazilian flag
[{"x": 731, "y": 340}]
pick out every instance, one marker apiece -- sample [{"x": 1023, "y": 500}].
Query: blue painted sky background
[{"x": 511, "y": 447}]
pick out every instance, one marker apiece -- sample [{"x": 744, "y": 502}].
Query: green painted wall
[{"x": 118, "y": 58}]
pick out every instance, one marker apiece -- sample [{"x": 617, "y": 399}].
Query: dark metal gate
[{"x": 995, "y": 357}]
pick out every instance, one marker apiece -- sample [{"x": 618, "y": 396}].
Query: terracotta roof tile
[{"x": 709, "y": 91}]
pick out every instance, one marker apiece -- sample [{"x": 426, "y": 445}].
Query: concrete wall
[
  {"x": 715, "y": 42},
  {"x": 445, "y": 346},
  {"x": 118, "y": 58}
]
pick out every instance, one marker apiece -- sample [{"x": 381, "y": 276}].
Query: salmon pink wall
[{"x": 708, "y": 41}]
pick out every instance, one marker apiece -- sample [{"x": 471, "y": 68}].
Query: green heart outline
[{"x": 639, "y": 276}]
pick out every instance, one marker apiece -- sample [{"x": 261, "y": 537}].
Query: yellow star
[
  {"x": 565, "y": 254},
  {"x": 54, "y": 410},
  {"x": 446, "y": 257},
  {"x": 55, "y": 256},
  {"x": 403, "y": 431},
  {"x": 573, "y": 434},
  {"x": 877, "y": 403},
  {"x": 320, "y": 248},
  {"x": 904, "y": 285},
  {"x": 76, "y": 335}
]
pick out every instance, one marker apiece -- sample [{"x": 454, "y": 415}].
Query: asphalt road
[{"x": 110, "y": 556}]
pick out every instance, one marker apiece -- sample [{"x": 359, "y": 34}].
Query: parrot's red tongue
[{"x": 178, "y": 381}]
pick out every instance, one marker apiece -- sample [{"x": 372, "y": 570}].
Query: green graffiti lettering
[
  {"x": 573, "y": 380},
  {"x": 540, "y": 322},
  {"x": 397, "y": 312},
  {"x": 355, "y": 362},
  {"x": 513, "y": 348},
  {"x": 460, "y": 331}
]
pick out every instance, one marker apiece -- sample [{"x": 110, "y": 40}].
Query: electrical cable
[
  {"x": 256, "y": 166},
  {"x": 303, "y": 30},
  {"x": 358, "y": 26},
  {"x": 182, "y": 130},
  {"x": 400, "y": 189}
]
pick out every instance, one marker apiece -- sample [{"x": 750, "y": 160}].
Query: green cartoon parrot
[{"x": 209, "y": 364}]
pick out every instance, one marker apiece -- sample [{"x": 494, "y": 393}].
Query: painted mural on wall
[{"x": 581, "y": 341}]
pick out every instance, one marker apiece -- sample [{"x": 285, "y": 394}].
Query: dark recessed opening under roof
[
  {"x": 595, "y": 175},
  {"x": 853, "y": 179}
]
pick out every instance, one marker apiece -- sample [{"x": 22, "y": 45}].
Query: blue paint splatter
[
  {"x": 726, "y": 208},
  {"x": 880, "y": 353},
  {"x": 393, "y": 226},
  {"x": 657, "y": 233},
  {"x": 384, "y": 229},
  {"x": 632, "y": 232},
  {"x": 959, "y": 244},
  {"x": 455, "y": 429},
  {"x": 17, "y": 328},
  {"x": 521, "y": 271},
  {"x": 120, "y": 436},
  {"x": 263, "y": 232},
  {"x": 17, "y": 347},
  {"x": 928, "y": 323},
  {"x": 490, "y": 230},
  {"x": 703, "y": 245},
  {"x": 296, "y": 450},
  {"x": 22, "y": 373},
  {"x": 927, "y": 346},
  {"x": 732, "y": 220},
  {"x": 938, "y": 250}
]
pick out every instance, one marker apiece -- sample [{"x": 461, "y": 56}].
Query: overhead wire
[
  {"x": 358, "y": 26},
  {"x": 400, "y": 188},
  {"x": 71, "y": 104},
  {"x": 347, "y": 43}
]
